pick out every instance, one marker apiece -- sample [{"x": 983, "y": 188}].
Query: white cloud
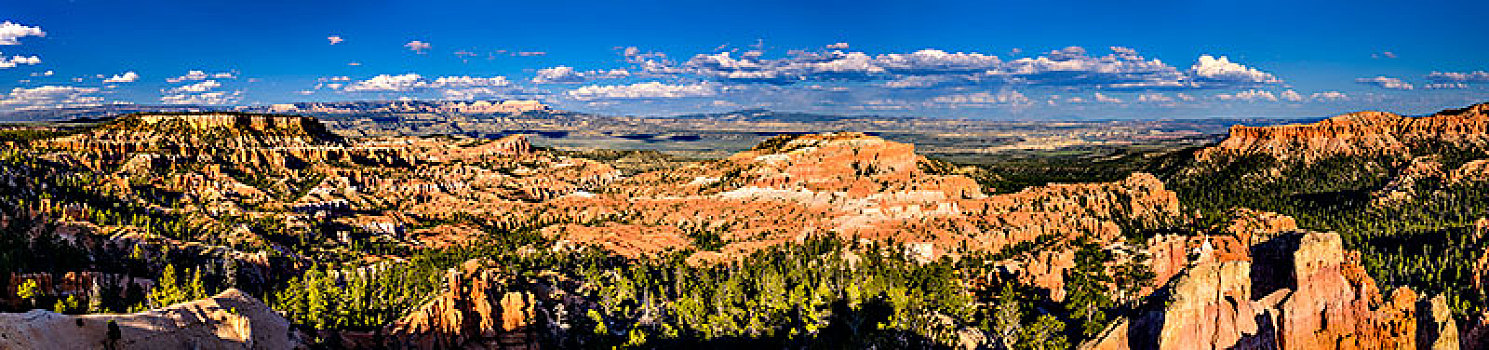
[
  {"x": 1068, "y": 67},
  {"x": 565, "y": 74},
  {"x": 1006, "y": 97},
  {"x": 1072, "y": 67},
  {"x": 203, "y": 92},
  {"x": 1106, "y": 99},
  {"x": 798, "y": 66},
  {"x": 14, "y": 61},
  {"x": 930, "y": 61},
  {"x": 190, "y": 76},
  {"x": 335, "y": 39},
  {"x": 926, "y": 81},
  {"x": 1329, "y": 96},
  {"x": 1222, "y": 71},
  {"x": 838, "y": 46},
  {"x": 224, "y": 75},
  {"x": 197, "y": 87},
  {"x": 465, "y": 81},
  {"x": 413, "y": 81},
  {"x": 473, "y": 93},
  {"x": 388, "y": 83},
  {"x": 1292, "y": 96},
  {"x": 417, "y": 46},
  {"x": 49, "y": 97},
  {"x": 1459, "y": 77},
  {"x": 1443, "y": 86},
  {"x": 127, "y": 77},
  {"x": 1248, "y": 96},
  {"x": 9, "y": 32},
  {"x": 1154, "y": 98},
  {"x": 647, "y": 90},
  {"x": 1386, "y": 83},
  {"x": 560, "y": 74},
  {"x": 206, "y": 98},
  {"x": 47, "y": 73}
]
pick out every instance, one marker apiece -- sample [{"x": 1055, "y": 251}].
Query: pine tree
[
  {"x": 29, "y": 290},
  {"x": 167, "y": 290}
]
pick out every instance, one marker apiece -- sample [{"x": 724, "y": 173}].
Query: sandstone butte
[{"x": 230, "y": 320}]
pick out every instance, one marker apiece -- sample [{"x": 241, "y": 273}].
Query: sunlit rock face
[
  {"x": 230, "y": 320},
  {"x": 478, "y": 309},
  {"x": 1361, "y": 133},
  {"x": 1297, "y": 290},
  {"x": 850, "y": 185}
]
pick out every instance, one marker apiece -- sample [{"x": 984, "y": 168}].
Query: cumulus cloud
[
  {"x": 202, "y": 92},
  {"x": 1222, "y": 71},
  {"x": 1385, "y": 82},
  {"x": 43, "y": 97},
  {"x": 565, "y": 74},
  {"x": 1459, "y": 77},
  {"x": 417, "y": 46},
  {"x": 127, "y": 77},
  {"x": 10, "y": 32},
  {"x": 647, "y": 90},
  {"x": 1443, "y": 86},
  {"x": 837, "y": 46},
  {"x": 466, "y": 81},
  {"x": 750, "y": 66},
  {"x": 1291, "y": 96},
  {"x": 388, "y": 83},
  {"x": 1248, "y": 96},
  {"x": 932, "y": 61},
  {"x": 206, "y": 98},
  {"x": 196, "y": 75},
  {"x": 335, "y": 39},
  {"x": 1106, "y": 99},
  {"x": 1329, "y": 96},
  {"x": 1154, "y": 98},
  {"x": 413, "y": 81},
  {"x": 982, "y": 99},
  {"x": 197, "y": 87},
  {"x": 928, "y": 81},
  {"x": 14, "y": 61},
  {"x": 1071, "y": 67}
]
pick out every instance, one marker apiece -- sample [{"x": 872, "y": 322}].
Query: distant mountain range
[{"x": 493, "y": 107}]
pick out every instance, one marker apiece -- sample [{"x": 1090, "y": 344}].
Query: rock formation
[
  {"x": 475, "y": 309},
  {"x": 1362, "y": 133},
  {"x": 230, "y": 320},
  {"x": 1298, "y": 290}
]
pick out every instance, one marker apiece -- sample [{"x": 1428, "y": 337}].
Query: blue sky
[{"x": 983, "y": 59}]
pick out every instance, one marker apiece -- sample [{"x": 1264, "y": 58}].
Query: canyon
[{"x": 265, "y": 197}]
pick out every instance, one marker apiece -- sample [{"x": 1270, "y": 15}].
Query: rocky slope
[{"x": 230, "y": 320}]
